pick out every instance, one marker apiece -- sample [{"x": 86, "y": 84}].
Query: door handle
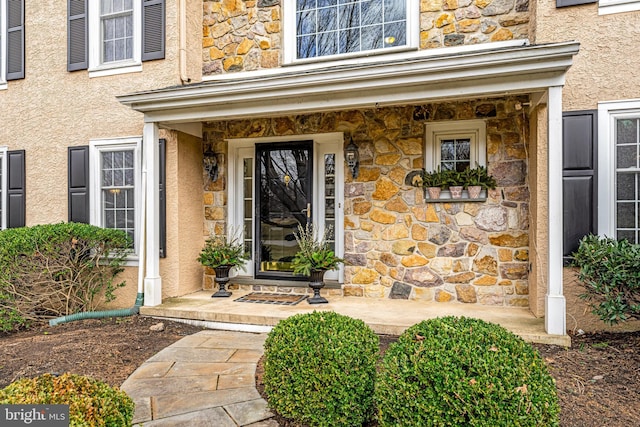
[{"x": 307, "y": 210}]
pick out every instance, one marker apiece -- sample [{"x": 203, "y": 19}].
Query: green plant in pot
[
  {"x": 434, "y": 182},
  {"x": 222, "y": 254},
  {"x": 314, "y": 258},
  {"x": 454, "y": 181},
  {"x": 478, "y": 179}
]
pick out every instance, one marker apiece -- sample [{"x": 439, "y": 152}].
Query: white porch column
[
  {"x": 555, "y": 304},
  {"x": 151, "y": 155}
]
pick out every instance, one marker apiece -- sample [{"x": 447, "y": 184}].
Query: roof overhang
[{"x": 482, "y": 72}]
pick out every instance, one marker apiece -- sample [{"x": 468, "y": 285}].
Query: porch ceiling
[{"x": 481, "y": 72}]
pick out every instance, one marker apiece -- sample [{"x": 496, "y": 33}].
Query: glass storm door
[{"x": 283, "y": 201}]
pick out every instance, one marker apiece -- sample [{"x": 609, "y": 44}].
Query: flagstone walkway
[{"x": 205, "y": 379}]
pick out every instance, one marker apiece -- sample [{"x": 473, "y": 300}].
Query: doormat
[{"x": 272, "y": 298}]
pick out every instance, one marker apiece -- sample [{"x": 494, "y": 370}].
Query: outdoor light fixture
[
  {"x": 352, "y": 157},
  {"x": 211, "y": 165}
]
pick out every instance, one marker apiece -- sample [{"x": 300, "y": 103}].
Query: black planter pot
[
  {"x": 316, "y": 282},
  {"x": 222, "y": 278}
]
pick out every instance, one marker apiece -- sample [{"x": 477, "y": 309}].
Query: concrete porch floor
[{"x": 384, "y": 316}]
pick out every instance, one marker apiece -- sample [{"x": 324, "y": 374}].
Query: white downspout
[{"x": 182, "y": 35}]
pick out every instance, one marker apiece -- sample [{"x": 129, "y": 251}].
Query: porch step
[{"x": 384, "y": 316}]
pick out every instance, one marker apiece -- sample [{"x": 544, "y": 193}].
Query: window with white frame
[
  {"x": 455, "y": 145},
  {"x": 3, "y": 186},
  {"x": 3, "y": 38},
  {"x": 328, "y": 28},
  {"x": 115, "y": 172},
  {"x": 619, "y": 170},
  {"x": 115, "y": 31},
  {"x": 607, "y": 7}
]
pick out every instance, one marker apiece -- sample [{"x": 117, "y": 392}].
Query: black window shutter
[
  {"x": 77, "y": 35},
  {"x": 78, "y": 195},
  {"x": 15, "y": 189},
  {"x": 579, "y": 177},
  {"x": 153, "y": 29},
  {"x": 15, "y": 39},
  {"x": 566, "y": 3},
  {"x": 163, "y": 197}
]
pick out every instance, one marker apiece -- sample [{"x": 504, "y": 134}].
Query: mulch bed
[{"x": 598, "y": 378}]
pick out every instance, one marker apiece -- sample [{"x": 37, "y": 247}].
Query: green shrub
[
  {"x": 460, "y": 371},
  {"x": 91, "y": 402},
  {"x": 319, "y": 369},
  {"x": 53, "y": 270},
  {"x": 610, "y": 272}
]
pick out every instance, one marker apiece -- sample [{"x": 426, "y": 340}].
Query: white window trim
[
  {"x": 97, "y": 146},
  {"x": 289, "y": 39},
  {"x": 475, "y": 129},
  {"x": 322, "y": 143},
  {"x": 3, "y": 186},
  {"x": 607, "y": 7},
  {"x": 96, "y": 67},
  {"x": 608, "y": 113},
  {"x": 3, "y": 44}
]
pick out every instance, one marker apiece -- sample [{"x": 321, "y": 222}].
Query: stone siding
[
  {"x": 241, "y": 35},
  {"x": 396, "y": 244}
]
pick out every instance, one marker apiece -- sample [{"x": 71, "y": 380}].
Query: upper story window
[
  {"x": 11, "y": 41},
  {"x": 114, "y": 36},
  {"x": 117, "y": 29},
  {"x": 455, "y": 145},
  {"x": 329, "y": 28}
]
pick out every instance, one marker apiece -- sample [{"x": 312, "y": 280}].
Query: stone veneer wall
[
  {"x": 241, "y": 35},
  {"x": 397, "y": 245}
]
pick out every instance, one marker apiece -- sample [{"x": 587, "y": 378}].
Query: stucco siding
[{"x": 605, "y": 69}]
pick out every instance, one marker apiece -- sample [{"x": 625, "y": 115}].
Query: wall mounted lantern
[
  {"x": 352, "y": 157},
  {"x": 211, "y": 165}
]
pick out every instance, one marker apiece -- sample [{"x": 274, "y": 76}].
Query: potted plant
[
  {"x": 455, "y": 182},
  {"x": 314, "y": 258},
  {"x": 434, "y": 182},
  {"x": 222, "y": 254},
  {"x": 477, "y": 179}
]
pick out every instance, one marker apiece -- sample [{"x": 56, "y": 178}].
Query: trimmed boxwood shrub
[
  {"x": 459, "y": 371},
  {"x": 319, "y": 369},
  {"x": 91, "y": 402},
  {"x": 53, "y": 270}
]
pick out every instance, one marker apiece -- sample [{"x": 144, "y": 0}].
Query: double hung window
[{"x": 115, "y": 182}]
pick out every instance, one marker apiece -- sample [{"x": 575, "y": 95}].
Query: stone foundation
[{"x": 396, "y": 244}]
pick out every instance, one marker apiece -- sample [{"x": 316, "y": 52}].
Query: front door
[{"x": 284, "y": 182}]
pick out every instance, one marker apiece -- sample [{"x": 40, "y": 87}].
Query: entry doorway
[
  {"x": 284, "y": 195},
  {"x": 276, "y": 184}
]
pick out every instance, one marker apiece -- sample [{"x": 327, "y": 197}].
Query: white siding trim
[
  {"x": 3, "y": 44},
  {"x": 555, "y": 303},
  {"x": 3, "y": 185},
  {"x": 607, "y": 7}
]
